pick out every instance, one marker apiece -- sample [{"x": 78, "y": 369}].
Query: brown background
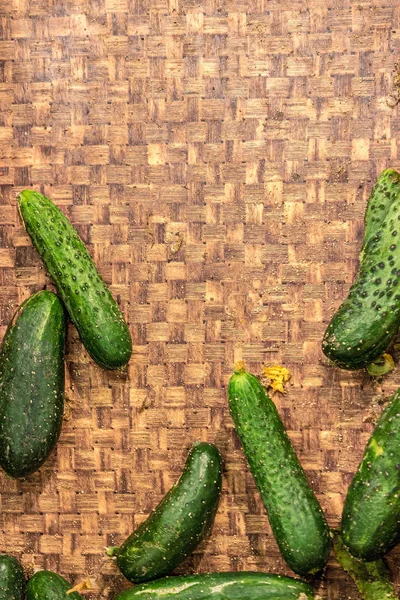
[{"x": 252, "y": 131}]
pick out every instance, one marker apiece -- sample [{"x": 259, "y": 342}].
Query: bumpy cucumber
[
  {"x": 46, "y": 585},
  {"x": 88, "y": 300},
  {"x": 371, "y": 515},
  {"x": 32, "y": 384},
  {"x": 178, "y": 523},
  {"x": 366, "y": 322},
  {"x": 12, "y": 579},
  {"x": 221, "y": 586},
  {"x": 383, "y": 195},
  {"x": 294, "y": 512}
]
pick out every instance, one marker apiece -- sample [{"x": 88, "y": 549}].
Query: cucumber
[
  {"x": 12, "y": 579},
  {"x": 380, "y": 200},
  {"x": 371, "y": 514},
  {"x": 32, "y": 384},
  {"x": 367, "y": 321},
  {"x": 221, "y": 586},
  {"x": 88, "y": 300},
  {"x": 45, "y": 585},
  {"x": 294, "y": 513},
  {"x": 372, "y": 579},
  {"x": 178, "y": 523}
]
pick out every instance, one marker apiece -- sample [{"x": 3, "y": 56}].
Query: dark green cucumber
[
  {"x": 92, "y": 308},
  {"x": 12, "y": 579},
  {"x": 221, "y": 586},
  {"x": 32, "y": 384},
  {"x": 367, "y": 321},
  {"x": 178, "y": 523},
  {"x": 46, "y": 585},
  {"x": 295, "y": 515},
  {"x": 371, "y": 515}
]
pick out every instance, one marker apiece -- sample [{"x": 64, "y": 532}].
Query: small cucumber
[
  {"x": 367, "y": 321},
  {"x": 32, "y": 384},
  {"x": 45, "y": 585},
  {"x": 371, "y": 515},
  {"x": 88, "y": 300},
  {"x": 178, "y": 523},
  {"x": 12, "y": 579},
  {"x": 295, "y": 515},
  {"x": 221, "y": 586}
]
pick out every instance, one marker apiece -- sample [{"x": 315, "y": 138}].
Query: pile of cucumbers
[{"x": 31, "y": 411}]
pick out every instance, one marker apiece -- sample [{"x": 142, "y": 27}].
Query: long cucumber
[
  {"x": 89, "y": 302},
  {"x": 294, "y": 513},
  {"x": 32, "y": 384},
  {"x": 178, "y": 523},
  {"x": 371, "y": 514},
  {"x": 221, "y": 586}
]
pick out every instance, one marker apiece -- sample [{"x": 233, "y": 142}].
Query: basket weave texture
[{"x": 216, "y": 157}]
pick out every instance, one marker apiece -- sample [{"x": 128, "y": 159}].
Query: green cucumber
[
  {"x": 178, "y": 523},
  {"x": 371, "y": 514},
  {"x": 294, "y": 513},
  {"x": 221, "y": 586},
  {"x": 367, "y": 321},
  {"x": 46, "y": 585},
  {"x": 32, "y": 384},
  {"x": 12, "y": 579},
  {"x": 89, "y": 302},
  {"x": 379, "y": 203},
  {"x": 371, "y": 578}
]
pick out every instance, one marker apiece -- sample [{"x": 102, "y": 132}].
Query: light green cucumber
[{"x": 371, "y": 578}]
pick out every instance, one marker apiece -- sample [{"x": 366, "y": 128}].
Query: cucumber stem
[
  {"x": 112, "y": 551},
  {"x": 239, "y": 367},
  {"x": 371, "y": 578},
  {"x": 381, "y": 366}
]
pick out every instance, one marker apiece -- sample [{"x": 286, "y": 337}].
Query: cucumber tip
[{"x": 240, "y": 366}]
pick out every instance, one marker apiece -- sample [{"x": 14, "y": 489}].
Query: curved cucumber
[
  {"x": 88, "y": 300},
  {"x": 12, "y": 579},
  {"x": 32, "y": 384},
  {"x": 178, "y": 523},
  {"x": 366, "y": 322},
  {"x": 295, "y": 515},
  {"x": 46, "y": 585},
  {"x": 371, "y": 515},
  {"x": 221, "y": 586}
]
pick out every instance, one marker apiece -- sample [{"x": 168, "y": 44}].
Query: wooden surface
[{"x": 217, "y": 158}]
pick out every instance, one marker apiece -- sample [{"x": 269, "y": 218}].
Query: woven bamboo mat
[{"x": 216, "y": 156}]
